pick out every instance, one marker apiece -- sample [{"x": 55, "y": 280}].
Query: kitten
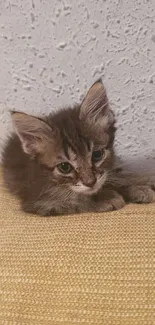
[{"x": 64, "y": 163}]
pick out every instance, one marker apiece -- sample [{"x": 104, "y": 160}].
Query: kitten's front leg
[
  {"x": 134, "y": 188},
  {"x": 108, "y": 200},
  {"x": 138, "y": 194}
]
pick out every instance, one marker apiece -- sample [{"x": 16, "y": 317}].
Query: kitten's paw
[
  {"x": 115, "y": 202},
  {"x": 140, "y": 194}
]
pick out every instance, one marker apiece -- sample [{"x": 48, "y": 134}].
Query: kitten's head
[{"x": 75, "y": 144}]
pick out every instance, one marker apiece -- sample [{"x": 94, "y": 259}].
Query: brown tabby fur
[{"x": 31, "y": 157}]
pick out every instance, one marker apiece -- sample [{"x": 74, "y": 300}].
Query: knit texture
[{"x": 86, "y": 269}]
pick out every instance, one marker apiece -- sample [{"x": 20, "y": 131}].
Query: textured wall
[{"x": 52, "y": 51}]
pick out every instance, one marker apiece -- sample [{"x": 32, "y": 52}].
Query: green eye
[
  {"x": 97, "y": 155},
  {"x": 64, "y": 167}
]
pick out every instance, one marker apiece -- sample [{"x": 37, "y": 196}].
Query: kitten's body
[{"x": 33, "y": 160}]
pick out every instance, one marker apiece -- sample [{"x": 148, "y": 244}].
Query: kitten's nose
[{"x": 90, "y": 182}]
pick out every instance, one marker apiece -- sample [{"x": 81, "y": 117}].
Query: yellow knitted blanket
[{"x": 86, "y": 269}]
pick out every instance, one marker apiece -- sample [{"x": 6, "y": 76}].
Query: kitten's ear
[
  {"x": 33, "y": 133},
  {"x": 95, "y": 104}
]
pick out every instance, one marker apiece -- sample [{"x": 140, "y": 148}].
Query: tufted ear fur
[
  {"x": 34, "y": 133},
  {"x": 95, "y": 107}
]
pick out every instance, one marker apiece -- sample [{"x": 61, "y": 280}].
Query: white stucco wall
[{"x": 52, "y": 51}]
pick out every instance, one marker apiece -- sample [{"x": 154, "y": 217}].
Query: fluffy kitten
[{"x": 64, "y": 163}]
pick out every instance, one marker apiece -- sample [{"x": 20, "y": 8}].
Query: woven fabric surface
[{"x": 87, "y": 269}]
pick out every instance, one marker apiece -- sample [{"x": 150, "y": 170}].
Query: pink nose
[{"x": 90, "y": 182}]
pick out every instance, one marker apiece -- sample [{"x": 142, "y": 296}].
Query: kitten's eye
[
  {"x": 65, "y": 167},
  {"x": 97, "y": 155}
]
